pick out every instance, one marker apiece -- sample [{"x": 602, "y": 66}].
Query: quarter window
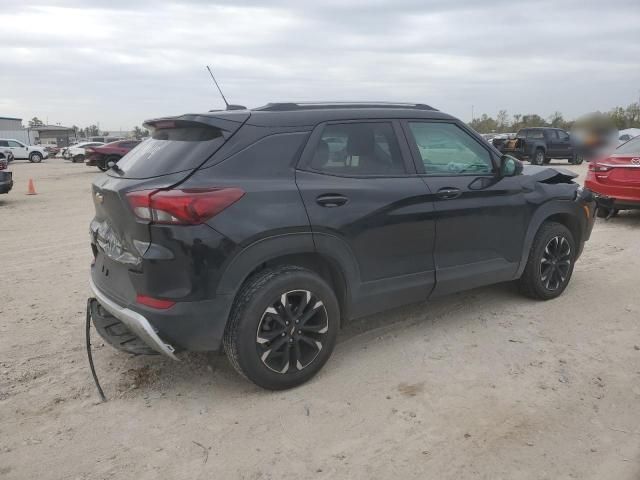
[
  {"x": 445, "y": 149},
  {"x": 358, "y": 149}
]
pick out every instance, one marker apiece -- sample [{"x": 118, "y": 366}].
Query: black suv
[
  {"x": 539, "y": 145},
  {"x": 262, "y": 230}
]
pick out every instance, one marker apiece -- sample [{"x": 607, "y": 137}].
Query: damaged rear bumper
[{"x": 136, "y": 322}]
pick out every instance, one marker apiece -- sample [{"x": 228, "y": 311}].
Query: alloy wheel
[
  {"x": 291, "y": 331},
  {"x": 555, "y": 263}
]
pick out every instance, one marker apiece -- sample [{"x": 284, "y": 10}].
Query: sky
[{"x": 119, "y": 62}]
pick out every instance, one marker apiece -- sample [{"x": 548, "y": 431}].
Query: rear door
[
  {"x": 553, "y": 143},
  {"x": 564, "y": 144},
  {"x": 360, "y": 191},
  {"x": 480, "y": 219}
]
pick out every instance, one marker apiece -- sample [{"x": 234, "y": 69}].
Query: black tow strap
[{"x": 88, "y": 339}]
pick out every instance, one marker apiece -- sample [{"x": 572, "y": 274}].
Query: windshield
[{"x": 632, "y": 147}]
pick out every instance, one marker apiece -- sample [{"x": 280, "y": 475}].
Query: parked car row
[
  {"x": 77, "y": 153},
  {"x": 102, "y": 156}
]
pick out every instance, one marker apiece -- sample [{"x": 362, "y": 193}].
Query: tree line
[{"x": 619, "y": 117}]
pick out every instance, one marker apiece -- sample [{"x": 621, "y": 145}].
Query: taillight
[
  {"x": 182, "y": 207},
  {"x": 598, "y": 167}
]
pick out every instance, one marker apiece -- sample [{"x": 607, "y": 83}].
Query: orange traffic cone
[{"x": 31, "y": 190}]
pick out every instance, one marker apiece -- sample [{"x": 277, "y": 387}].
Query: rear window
[
  {"x": 632, "y": 147},
  {"x": 173, "y": 146}
]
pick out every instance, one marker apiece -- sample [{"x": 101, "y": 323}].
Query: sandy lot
[{"x": 480, "y": 385}]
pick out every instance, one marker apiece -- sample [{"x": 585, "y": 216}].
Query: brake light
[
  {"x": 182, "y": 207},
  {"x": 598, "y": 167},
  {"x": 154, "y": 302}
]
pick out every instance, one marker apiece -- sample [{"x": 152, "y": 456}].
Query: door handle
[
  {"x": 448, "y": 193},
  {"x": 331, "y": 200}
]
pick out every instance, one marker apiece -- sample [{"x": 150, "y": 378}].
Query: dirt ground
[{"x": 481, "y": 385}]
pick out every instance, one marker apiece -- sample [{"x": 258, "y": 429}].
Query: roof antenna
[{"x": 229, "y": 106}]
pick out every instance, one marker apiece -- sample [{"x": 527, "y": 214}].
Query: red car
[
  {"x": 111, "y": 152},
  {"x": 615, "y": 179}
]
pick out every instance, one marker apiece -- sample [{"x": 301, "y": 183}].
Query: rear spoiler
[{"x": 227, "y": 122}]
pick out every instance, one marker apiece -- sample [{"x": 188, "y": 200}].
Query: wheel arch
[
  {"x": 564, "y": 212},
  {"x": 299, "y": 250}
]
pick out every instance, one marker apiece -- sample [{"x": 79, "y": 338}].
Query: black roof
[{"x": 293, "y": 114}]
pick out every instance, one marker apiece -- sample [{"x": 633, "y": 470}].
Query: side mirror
[{"x": 509, "y": 166}]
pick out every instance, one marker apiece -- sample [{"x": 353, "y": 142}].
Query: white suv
[{"x": 21, "y": 151}]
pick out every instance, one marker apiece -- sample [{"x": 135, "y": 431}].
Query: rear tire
[
  {"x": 538, "y": 157},
  {"x": 78, "y": 159},
  {"x": 105, "y": 162},
  {"x": 280, "y": 347},
  {"x": 604, "y": 212},
  {"x": 550, "y": 264},
  {"x": 577, "y": 159}
]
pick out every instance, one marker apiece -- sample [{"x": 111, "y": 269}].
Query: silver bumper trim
[{"x": 137, "y": 323}]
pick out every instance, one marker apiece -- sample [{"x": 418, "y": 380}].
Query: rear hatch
[{"x": 177, "y": 146}]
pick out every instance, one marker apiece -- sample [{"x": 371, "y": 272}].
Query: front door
[
  {"x": 480, "y": 219},
  {"x": 360, "y": 194}
]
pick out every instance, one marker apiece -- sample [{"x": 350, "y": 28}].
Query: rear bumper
[
  {"x": 616, "y": 194},
  {"x": 136, "y": 322},
  {"x": 192, "y": 326}
]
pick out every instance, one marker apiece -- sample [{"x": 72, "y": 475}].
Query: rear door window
[
  {"x": 173, "y": 146},
  {"x": 358, "y": 149},
  {"x": 535, "y": 135}
]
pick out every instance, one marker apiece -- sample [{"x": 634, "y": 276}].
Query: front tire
[
  {"x": 550, "y": 264},
  {"x": 35, "y": 157},
  {"x": 283, "y": 327},
  {"x": 538, "y": 157},
  {"x": 78, "y": 159}
]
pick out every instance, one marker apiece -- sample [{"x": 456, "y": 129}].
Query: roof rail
[{"x": 291, "y": 106}]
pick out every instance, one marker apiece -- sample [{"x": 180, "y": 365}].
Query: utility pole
[{"x": 472, "y": 113}]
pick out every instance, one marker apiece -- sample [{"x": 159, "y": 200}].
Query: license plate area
[{"x": 113, "y": 278}]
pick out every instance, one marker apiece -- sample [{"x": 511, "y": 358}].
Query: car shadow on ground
[
  {"x": 198, "y": 374},
  {"x": 628, "y": 218}
]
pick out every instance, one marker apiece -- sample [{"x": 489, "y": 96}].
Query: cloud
[{"x": 119, "y": 62}]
